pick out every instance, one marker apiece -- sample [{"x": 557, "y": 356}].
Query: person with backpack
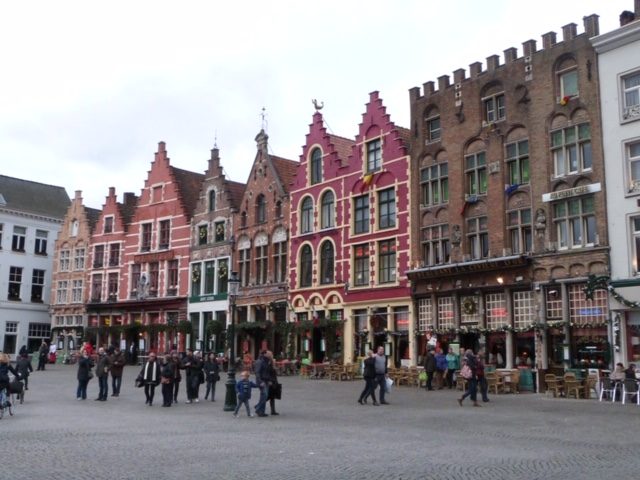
[{"x": 468, "y": 371}]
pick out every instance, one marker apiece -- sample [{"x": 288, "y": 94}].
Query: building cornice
[{"x": 617, "y": 38}]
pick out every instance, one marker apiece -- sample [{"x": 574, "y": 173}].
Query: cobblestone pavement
[{"x": 321, "y": 433}]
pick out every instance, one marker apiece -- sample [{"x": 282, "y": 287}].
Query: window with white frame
[
  {"x": 209, "y": 277},
  {"x": 632, "y": 153},
  {"x": 425, "y": 314},
  {"x": 136, "y": 270},
  {"x": 496, "y": 310},
  {"x": 261, "y": 264},
  {"x": 37, "y": 285},
  {"x": 387, "y": 261},
  {"x": 15, "y": 282},
  {"x": 475, "y": 171},
  {"x": 433, "y": 128},
  {"x": 583, "y": 311},
  {"x": 494, "y": 108},
  {"x": 112, "y": 286},
  {"x": 635, "y": 244},
  {"x": 571, "y": 150},
  {"x": 306, "y": 266},
  {"x": 553, "y": 302},
  {"x": 361, "y": 265},
  {"x": 327, "y": 263},
  {"x": 114, "y": 254},
  {"x": 568, "y": 83},
  {"x": 11, "y": 327},
  {"x": 280, "y": 261},
  {"x": 434, "y": 184},
  {"x": 164, "y": 234},
  {"x": 361, "y": 318},
  {"x": 108, "y": 224},
  {"x": 361, "y": 217},
  {"x": 519, "y": 228},
  {"x": 245, "y": 265},
  {"x": 78, "y": 259},
  {"x": 154, "y": 279},
  {"x": 64, "y": 262},
  {"x": 61, "y": 292},
  {"x": 524, "y": 312},
  {"x": 374, "y": 155},
  {"x": 39, "y": 330},
  {"x": 517, "y": 158},
  {"x": 387, "y": 208},
  {"x": 261, "y": 209},
  {"x": 327, "y": 210},
  {"x": 631, "y": 95},
  {"x": 478, "y": 237},
  {"x": 446, "y": 315},
  {"x": 436, "y": 248},
  {"x": 76, "y": 291},
  {"x": 316, "y": 166},
  {"x": 19, "y": 238},
  {"x": 96, "y": 288},
  {"x": 41, "y": 242},
  {"x": 145, "y": 237},
  {"x": 172, "y": 277},
  {"x": 98, "y": 256},
  {"x": 575, "y": 222},
  {"x": 306, "y": 215}
]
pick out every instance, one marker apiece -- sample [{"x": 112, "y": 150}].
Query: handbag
[
  {"x": 139, "y": 381},
  {"x": 388, "y": 383},
  {"x": 422, "y": 376},
  {"x": 466, "y": 372}
]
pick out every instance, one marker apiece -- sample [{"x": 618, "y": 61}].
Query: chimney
[
  {"x": 529, "y": 48},
  {"x": 510, "y": 55},
  {"x": 443, "y": 82},
  {"x": 458, "y": 75},
  {"x": 129, "y": 198},
  {"x": 475, "y": 69},
  {"x": 112, "y": 191},
  {"x": 548, "y": 40},
  {"x": 414, "y": 94},
  {"x": 493, "y": 62},
  {"x": 569, "y": 32},
  {"x": 626, "y": 17},
  {"x": 78, "y": 195},
  {"x": 591, "y": 26},
  {"x": 428, "y": 89}
]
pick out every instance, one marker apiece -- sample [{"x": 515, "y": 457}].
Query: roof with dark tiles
[
  {"x": 33, "y": 197},
  {"x": 343, "y": 146},
  {"x": 189, "y": 184},
  {"x": 286, "y": 170},
  {"x": 93, "y": 215},
  {"x": 236, "y": 191}
]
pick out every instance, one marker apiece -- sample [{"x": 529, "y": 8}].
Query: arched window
[
  {"x": 212, "y": 200},
  {"x": 306, "y": 265},
  {"x": 327, "y": 213},
  {"x": 316, "y": 166},
  {"x": 306, "y": 216},
  {"x": 261, "y": 209},
  {"x": 327, "y": 260}
]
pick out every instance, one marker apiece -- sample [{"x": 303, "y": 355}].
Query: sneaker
[
  {"x": 235, "y": 415},
  {"x": 251, "y": 415},
  {"x": 188, "y": 401},
  {"x": 197, "y": 401}
]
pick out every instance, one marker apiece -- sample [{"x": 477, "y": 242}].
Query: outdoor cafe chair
[
  {"x": 572, "y": 387},
  {"x": 609, "y": 387},
  {"x": 494, "y": 383},
  {"x": 630, "y": 388},
  {"x": 552, "y": 384}
]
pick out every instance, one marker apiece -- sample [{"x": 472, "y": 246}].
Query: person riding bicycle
[{"x": 5, "y": 368}]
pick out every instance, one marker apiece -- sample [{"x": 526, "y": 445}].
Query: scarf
[{"x": 154, "y": 371}]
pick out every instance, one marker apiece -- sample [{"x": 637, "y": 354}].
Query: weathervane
[
  {"x": 317, "y": 106},
  {"x": 263, "y": 115}
]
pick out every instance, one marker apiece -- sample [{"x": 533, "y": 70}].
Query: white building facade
[
  {"x": 619, "y": 72},
  {"x": 30, "y": 219}
]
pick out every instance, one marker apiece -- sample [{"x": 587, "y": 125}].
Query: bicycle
[{"x": 5, "y": 403}]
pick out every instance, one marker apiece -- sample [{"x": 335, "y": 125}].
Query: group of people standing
[
  {"x": 109, "y": 361},
  {"x": 440, "y": 367}
]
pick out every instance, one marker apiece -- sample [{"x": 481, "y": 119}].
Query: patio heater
[{"x": 230, "y": 398}]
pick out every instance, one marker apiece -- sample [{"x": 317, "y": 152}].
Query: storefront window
[{"x": 425, "y": 314}]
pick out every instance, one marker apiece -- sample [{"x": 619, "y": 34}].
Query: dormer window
[
  {"x": 108, "y": 225},
  {"x": 316, "y": 166},
  {"x": 374, "y": 155}
]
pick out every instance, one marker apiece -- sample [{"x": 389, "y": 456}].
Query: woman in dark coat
[
  {"x": 24, "y": 367},
  {"x": 369, "y": 375},
  {"x": 84, "y": 368},
  {"x": 166, "y": 379},
  {"x": 212, "y": 375},
  {"x": 275, "y": 389},
  {"x": 150, "y": 375}
]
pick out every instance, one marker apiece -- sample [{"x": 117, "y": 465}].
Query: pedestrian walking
[
  {"x": 150, "y": 377},
  {"x": 243, "y": 390},
  {"x": 275, "y": 389},
  {"x": 166, "y": 380},
  {"x": 430, "y": 368},
  {"x": 193, "y": 371},
  {"x": 369, "y": 375},
  {"x": 381, "y": 373},
  {"x": 262, "y": 380},
  {"x": 43, "y": 351},
  {"x": 117, "y": 366},
  {"x": 102, "y": 372},
  {"x": 24, "y": 368},
  {"x": 176, "y": 365},
  {"x": 212, "y": 375},
  {"x": 84, "y": 374},
  {"x": 482, "y": 380},
  {"x": 469, "y": 360}
]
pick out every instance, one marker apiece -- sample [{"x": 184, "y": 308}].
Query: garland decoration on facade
[
  {"x": 195, "y": 274},
  {"x": 185, "y": 327},
  {"x": 603, "y": 282},
  {"x": 223, "y": 270},
  {"x": 469, "y": 306}
]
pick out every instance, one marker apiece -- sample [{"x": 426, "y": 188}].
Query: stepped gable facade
[{"x": 509, "y": 203}]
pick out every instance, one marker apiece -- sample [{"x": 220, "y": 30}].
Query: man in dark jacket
[
  {"x": 23, "y": 366},
  {"x": 102, "y": 372},
  {"x": 262, "y": 380},
  {"x": 42, "y": 355},
  {"x": 430, "y": 368},
  {"x": 117, "y": 366}
]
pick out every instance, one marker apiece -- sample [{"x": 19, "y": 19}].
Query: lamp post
[{"x": 230, "y": 399}]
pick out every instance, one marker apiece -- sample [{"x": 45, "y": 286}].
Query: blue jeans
[
  {"x": 115, "y": 385},
  {"x": 472, "y": 390},
  {"x": 81, "y": 392},
  {"x": 381, "y": 380},
  {"x": 245, "y": 402},
  {"x": 262, "y": 403},
  {"x": 103, "y": 382}
]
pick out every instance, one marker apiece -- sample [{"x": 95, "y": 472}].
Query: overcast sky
[{"x": 88, "y": 89}]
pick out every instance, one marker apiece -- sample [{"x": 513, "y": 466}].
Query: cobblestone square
[{"x": 321, "y": 433}]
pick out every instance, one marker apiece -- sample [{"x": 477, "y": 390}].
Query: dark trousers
[
  {"x": 482, "y": 383},
  {"x": 176, "y": 389},
  {"x": 116, "y": 382},
  {"x": 103, "y": 383},
  {"x": 381, "y": 380},
  {"x": 211, "y": 388},
  {"x": 82, "y": 389},
  {"x": 472, "y": 389},
  {"x": 193, "y": 387},
  {"x": 41, "y": 362},
  {"x": 429, "y": 381},
  {"x": 167, "y": 393},
  {"x": 450, "y": 373},
  {"x": 149, "y": 391},
  {"x": 369, "y": 390}
]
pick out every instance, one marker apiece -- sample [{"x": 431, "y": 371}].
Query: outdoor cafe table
[{"x": 285, "y": 367}]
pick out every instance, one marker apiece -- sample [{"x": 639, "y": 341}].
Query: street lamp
[{"x": 230, "y": 399}]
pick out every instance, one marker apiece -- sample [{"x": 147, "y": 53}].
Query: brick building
[
  {"x": 69, "y": 296},
  {"x": 261, "y": 228},
  {"x": 351, "y": 240},
  {"x": 510, "y": 205},
  {"x": 212, "y": 241},
  {"x": 139, "y": 263}
]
